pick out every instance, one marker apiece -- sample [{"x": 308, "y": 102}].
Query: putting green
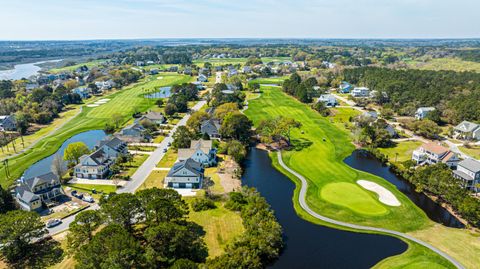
[{"x": 352, "y": 197}]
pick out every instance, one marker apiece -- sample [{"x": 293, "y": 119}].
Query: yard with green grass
[
  {"x": 401, "y": 151},
  {"x": 88, "y": 188},
  {"x": 221, "y": 227},
  {"x": 124, "y": 102},
  {"x": 169, "y": 159},
  {"x": 154, "y": 180},
  {"x": 330, "y": 179},
  {"x": 473, "y": 151}
]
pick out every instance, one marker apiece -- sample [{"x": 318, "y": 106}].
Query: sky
[{"x": 128, "y": 19}]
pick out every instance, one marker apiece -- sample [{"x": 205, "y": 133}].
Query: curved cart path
[{"x": 303, "y": 204}]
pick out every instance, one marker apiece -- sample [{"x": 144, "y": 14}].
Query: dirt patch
[{"x": 228, "y": 176}]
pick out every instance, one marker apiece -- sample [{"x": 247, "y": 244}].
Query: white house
[
  {"x": 360, "y": 92},
  {"x": 94, "y": 166},
  {"x": 185, "y": 174},
  {"x": 202, "y": 78},
  {"x": 422, "y": 112},
  {"x": 467, "y": 130},
  {"x": 469, "y": 172},
  {"x": 200, "y": 151},
  {"x": 432, "y": 153},
  {"x": 328, "y": 99}
]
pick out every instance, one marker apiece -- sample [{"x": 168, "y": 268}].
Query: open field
[
  {"x": 401, "y": 151},
  {"x": 73, "y": 67},
  {"x": 321, "y": 163},
  {"x": 454, "y": 64},
  {"x": 473, "y": 151},
  {"x": 155, "y": 179},
  {"x": 169, "y": 159},
  {"x": 123, "y": 102},
  {"x": 87, "y": 188},
  {"x": 221, "y": 226}
]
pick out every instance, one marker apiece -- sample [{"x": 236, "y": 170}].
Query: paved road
[
  {"x": 140, "y": 175},
  {"x": 303, "y": 204}
]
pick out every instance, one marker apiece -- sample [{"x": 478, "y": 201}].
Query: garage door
[
  {"x": 188, "y": 185},
  {"x": 175, "y": 185}
]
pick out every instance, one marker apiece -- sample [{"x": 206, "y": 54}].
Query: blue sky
[{"x": 104, "y": 19}]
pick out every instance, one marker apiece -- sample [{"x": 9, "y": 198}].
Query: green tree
[
  {"x": 18, "y": 229},
  {"x": 182, "y": 137},
  {"x": 6, "y": 201},
  {"x": 161, "y": 205},
  {"x": 170, "y": 109},
  {"x": 224, "y": 109},
  {"x": 123, "y": 209},
  {"x": 74, "y": 151},
  {"x": 112, "y": 247},
  {"x": 237, "y": 150},
  {"x": 82, "y": 228},
  {"x": 196, "y": 119},
  {"x": 236, "y": 126},
  {"x": 117, "y": 119}
]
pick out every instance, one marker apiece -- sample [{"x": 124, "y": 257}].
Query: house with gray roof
[
  {"x": 422, "y": 112},
  {"x": 328, "y": 99},
  {"x": 154, "y": 117},
  {"x": 467, "y": 130},
  {"x": 94, "y": 166},
  {"x": 135, "y": 133},
  {"x": 211, "y": 127},
  {"x": 113, "y": 146},
  {"x": 8, "y": 123},
  {"x": 33, "y": 193},
  {"x": 469, "y": 172},
  {"x": 200, "y": 151},
  {"x": 185, "y": 174}
]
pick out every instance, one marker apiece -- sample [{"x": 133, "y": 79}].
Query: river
[
  {"x": 308, "y": 245},
  {"x": 364, "y": 161},
  {"x": 23, "y": 70},
  {"x": 90, "y": 138}
]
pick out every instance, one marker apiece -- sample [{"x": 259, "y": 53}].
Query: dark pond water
[
  {"x": 308, "y": 245},
  {"x": 90, "y": 138},
  {"x": 163, "y": 92},
  {"x": 365, "y": 161}
]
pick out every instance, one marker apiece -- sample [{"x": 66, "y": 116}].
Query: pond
[
  {"x": 365, "y": 161},
  {"x": 163, "y": 92},
  {"x": 90, "y": 138},
  {"x": 23, "y": 70},
  {"x": 308, "y": 245}
]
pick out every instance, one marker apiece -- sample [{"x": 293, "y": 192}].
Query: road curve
[{"x": 303, "y": 204}]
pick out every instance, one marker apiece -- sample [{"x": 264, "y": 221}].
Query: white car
[
  {"x": 88, "y": 199},
  {"x": 53, "y": 222}
]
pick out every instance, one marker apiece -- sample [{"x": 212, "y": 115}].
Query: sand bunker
[
  {"x": 94, "y": 105},
  {"x": 160, "y": 78},
  {"x": 385, "y": 196},
  {"x": 104, "y": 100}
]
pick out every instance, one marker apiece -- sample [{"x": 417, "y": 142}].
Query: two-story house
[
  {"x": 328, "y": 99},
  {"x": 422, "y": 112},
  {"x": 468, "y": 171},
  {"x": 432, "y": 153},
  {"x": 154, "y": 117},
  {"x": 185, "y": 174},
  {"x": 8, "y": 123},
  {"x": 467, "y": 130},
  {"x": 360, "y": 92},
  {"x": 113, "y": 146},
  {"x": 94, "y": 166},
  {"x": 32, "y": 193},
  {"x": 200, "y": 151},
  {"x": 211, "y": 127}
]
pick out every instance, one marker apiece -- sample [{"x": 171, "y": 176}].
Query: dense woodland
[{"x": 455, "y": 94}]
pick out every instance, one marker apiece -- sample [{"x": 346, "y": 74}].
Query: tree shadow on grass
[
  {"x": 41, "y": 255},
  {"x": 300, "y": 144}
]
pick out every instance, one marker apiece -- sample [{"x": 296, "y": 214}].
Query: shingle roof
[
  {"x": 25, "y": 194},
  {"x": 152, "y": 115},
  {"x": 46, "y": 178},
  {"x": 470, "y": 164},
  {"x": 189, "y": 164},
  {"x": 466, "y": 126},
  {"x": 434, "y": 148}
]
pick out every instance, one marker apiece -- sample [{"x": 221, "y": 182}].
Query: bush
[{"x": 202, "y": 204}]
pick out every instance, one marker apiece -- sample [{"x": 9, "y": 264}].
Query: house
[
  {"x": 360, "y": 92},
  {"x": 140, "y": 63},
  {"x": 211, "y": 127},
  {"x": 432, "y": 153},
  {"x": 31, "y": 86},
  {"x": 422, "y": 112},
  {"x": 370, "y": 114},
  {"x": 154, "y": 117},
  {"x": 469, "y": 172},
  {"x": 32, "y": 193},
  {"x": 113, "y": 146},
  {"x": 185, "y": 174},
  {"x": 187, "y": 71},
  {"x": 173, "y": 68},
  {"x": 200, "y": 151},
  {"x": 154, "y": 71},
  {"x": 135, "y": 132},
  {"x": 84, "y": 92},
  {"x": 202, "y": 78},
  {"x": 199, "y": 85},
  {"x": 247, "y": 69},
  {"x": 328, "y": 99},
  {"x": 345, "y": 87},
  {"x": 94, "y": 166},
  {"x": 391, "y": 131},
  {"x": 8, "y": 123},
  {"x": 232, "y": 71},
  {"x": 467, "y": 130}
]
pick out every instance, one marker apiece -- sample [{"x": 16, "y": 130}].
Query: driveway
[{"x": 142, "y": 172}]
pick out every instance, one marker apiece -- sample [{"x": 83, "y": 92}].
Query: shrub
[{"x": 202, "y": 204}]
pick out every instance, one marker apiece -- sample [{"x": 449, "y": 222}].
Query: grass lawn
[
  {"x": 138, "y": 159},
  {"x": 169, "y": 159},
  {"x": 158, "y": 139},
  {"x": 87, "y": 188},
  {"x": 321, "y": 162},
  {"x": 473, "y": 151},
  {"x": 272, "y": 80},
  {"x": 124, "y": 102},
  {"x": 404, "y": 150},
  {"x": 217, "y": 186},
  {"x": 341, "y": 116},
  {"x": 221, "y": 226},
  {"x": 73, "y": 67},
  {"x": 155, "y": 179}
]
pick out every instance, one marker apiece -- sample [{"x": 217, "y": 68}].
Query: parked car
[
  {"x": 53, "y": 222},
  {"x": 88, "y": 199},
  {"x": 77, "y": 194},
  {"x": 169, "y": 144},
  {"x": 164, "y": 150}
]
